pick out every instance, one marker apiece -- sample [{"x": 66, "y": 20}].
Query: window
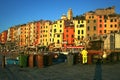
[
  {"x": 82, "y": 21},
  {"x": 78, "y": 37},
  {"x": 100, "y": 31},
  {"x": 72, "y": 36},
  {"x": 60, "y": 30},
  {"x": 115, "y": 20},
  {"x": 88, "y": 34},
  {"x": 100, "y": 25},
  {"x": 66, "y": 30},
  {"x": 82, "y": 37},
  {"x": 78, "y": 31},
  {"x": 111, "y": 25},
  {"x": 82, "y": 25},
  {"x": 100, "y": 16},
  {"x": 100, "y": 21},
  {"x": 51, "y": 30},
  {"x": 111, "y": 20},
  {"x": 54, "y": 30},
  {"x": 58, "y": 35},
  {"x": 105, "y": 21},
  {"x": 94, "y": 27},
  {"x": 88, "y": 28},
  {"x": 60, "y": 25},
  {"x": 115, "y": 25},
  {"x": 94, "y": 21},
  {"x": 104, "y": 31},
  {"x": 67, "y": 36},
  {"x": 58, "y": 41},
  {"x": 82, "y": 32},
  {"x": 92, "y": 16},
  {"x": 78, "y": 21},
  {"x": 89, "y": 17},
  {"x": 88, "y": 21},
  {"x": 105, "y": 25},
  {"x": 60, "y": 21}
]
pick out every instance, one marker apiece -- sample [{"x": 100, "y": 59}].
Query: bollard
[{"x": 3, "y": 61}]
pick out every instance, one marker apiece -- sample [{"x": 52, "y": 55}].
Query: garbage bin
[
  {"x": 23, "y": 60},
  {"x": 115, "y": 56},
  {"x": 76, "y": 58},
  {"x": 118, "y": 56},
  {"x": 40, "y": 60},
  {"x": 90, "y": 58},
  {"x": 31, "y": 60},
  {"x": 47, "y": 58},
  {"x": 50, "y": 57},
  {"x": 70, "y": 59}
]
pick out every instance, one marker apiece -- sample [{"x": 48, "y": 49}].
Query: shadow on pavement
[{"x": 98, "y": 70}]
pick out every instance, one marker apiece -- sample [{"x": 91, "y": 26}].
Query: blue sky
[{"x": 15, "y": 12}]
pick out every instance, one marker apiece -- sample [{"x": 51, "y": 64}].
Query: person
[{"x": 84, "y": 55}]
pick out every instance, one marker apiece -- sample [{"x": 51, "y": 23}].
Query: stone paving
[{"x": 62, "y": 71}]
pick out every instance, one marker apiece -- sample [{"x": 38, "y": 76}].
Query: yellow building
[
  {"x": 57, "y": 32},
  {"x": 80, "y": 30},
  {"x": 31, "y": 33},
  {"x": 45, "y": 33}
]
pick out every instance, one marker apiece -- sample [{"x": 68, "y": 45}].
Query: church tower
[{"x": 70, "y": 14}]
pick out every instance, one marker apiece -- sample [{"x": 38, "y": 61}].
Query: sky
[{"x": 15, "y": 12}]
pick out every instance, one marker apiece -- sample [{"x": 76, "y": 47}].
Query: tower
[{"x": 70, "y": 14}]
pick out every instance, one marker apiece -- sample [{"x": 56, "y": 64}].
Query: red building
[{"x": 68, "y": 35}]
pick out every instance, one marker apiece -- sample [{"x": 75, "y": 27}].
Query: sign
[{"x": 75, "y": 47}]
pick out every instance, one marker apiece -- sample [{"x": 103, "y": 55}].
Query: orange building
[
  {"x": 3, "y": 37},
  {"x": 100, "y": 25},
  {"x": 23, "y": 35},
  {"x": 38, "y": 32},
  {"x": 112, "y": 23},
  {"x": 91, "y": 25}
]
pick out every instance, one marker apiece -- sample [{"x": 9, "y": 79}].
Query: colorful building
[
  {"x": 80, "y": 29},
  {"x": 57, "y": 33},
  {"x": 68, "y": 35},
  {"x": 101, "y": 26},
  {"x": 45, "y": 33},
  {"x": 22, "y": 35},
  {"x": 3, "y": 37},
  {"x": 112, "y": 23},
  {"x": 66, "y": 31},
  {"x": 91, "y": 25}
]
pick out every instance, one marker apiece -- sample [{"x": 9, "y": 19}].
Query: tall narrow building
[{"x": 70, "y": 14}]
